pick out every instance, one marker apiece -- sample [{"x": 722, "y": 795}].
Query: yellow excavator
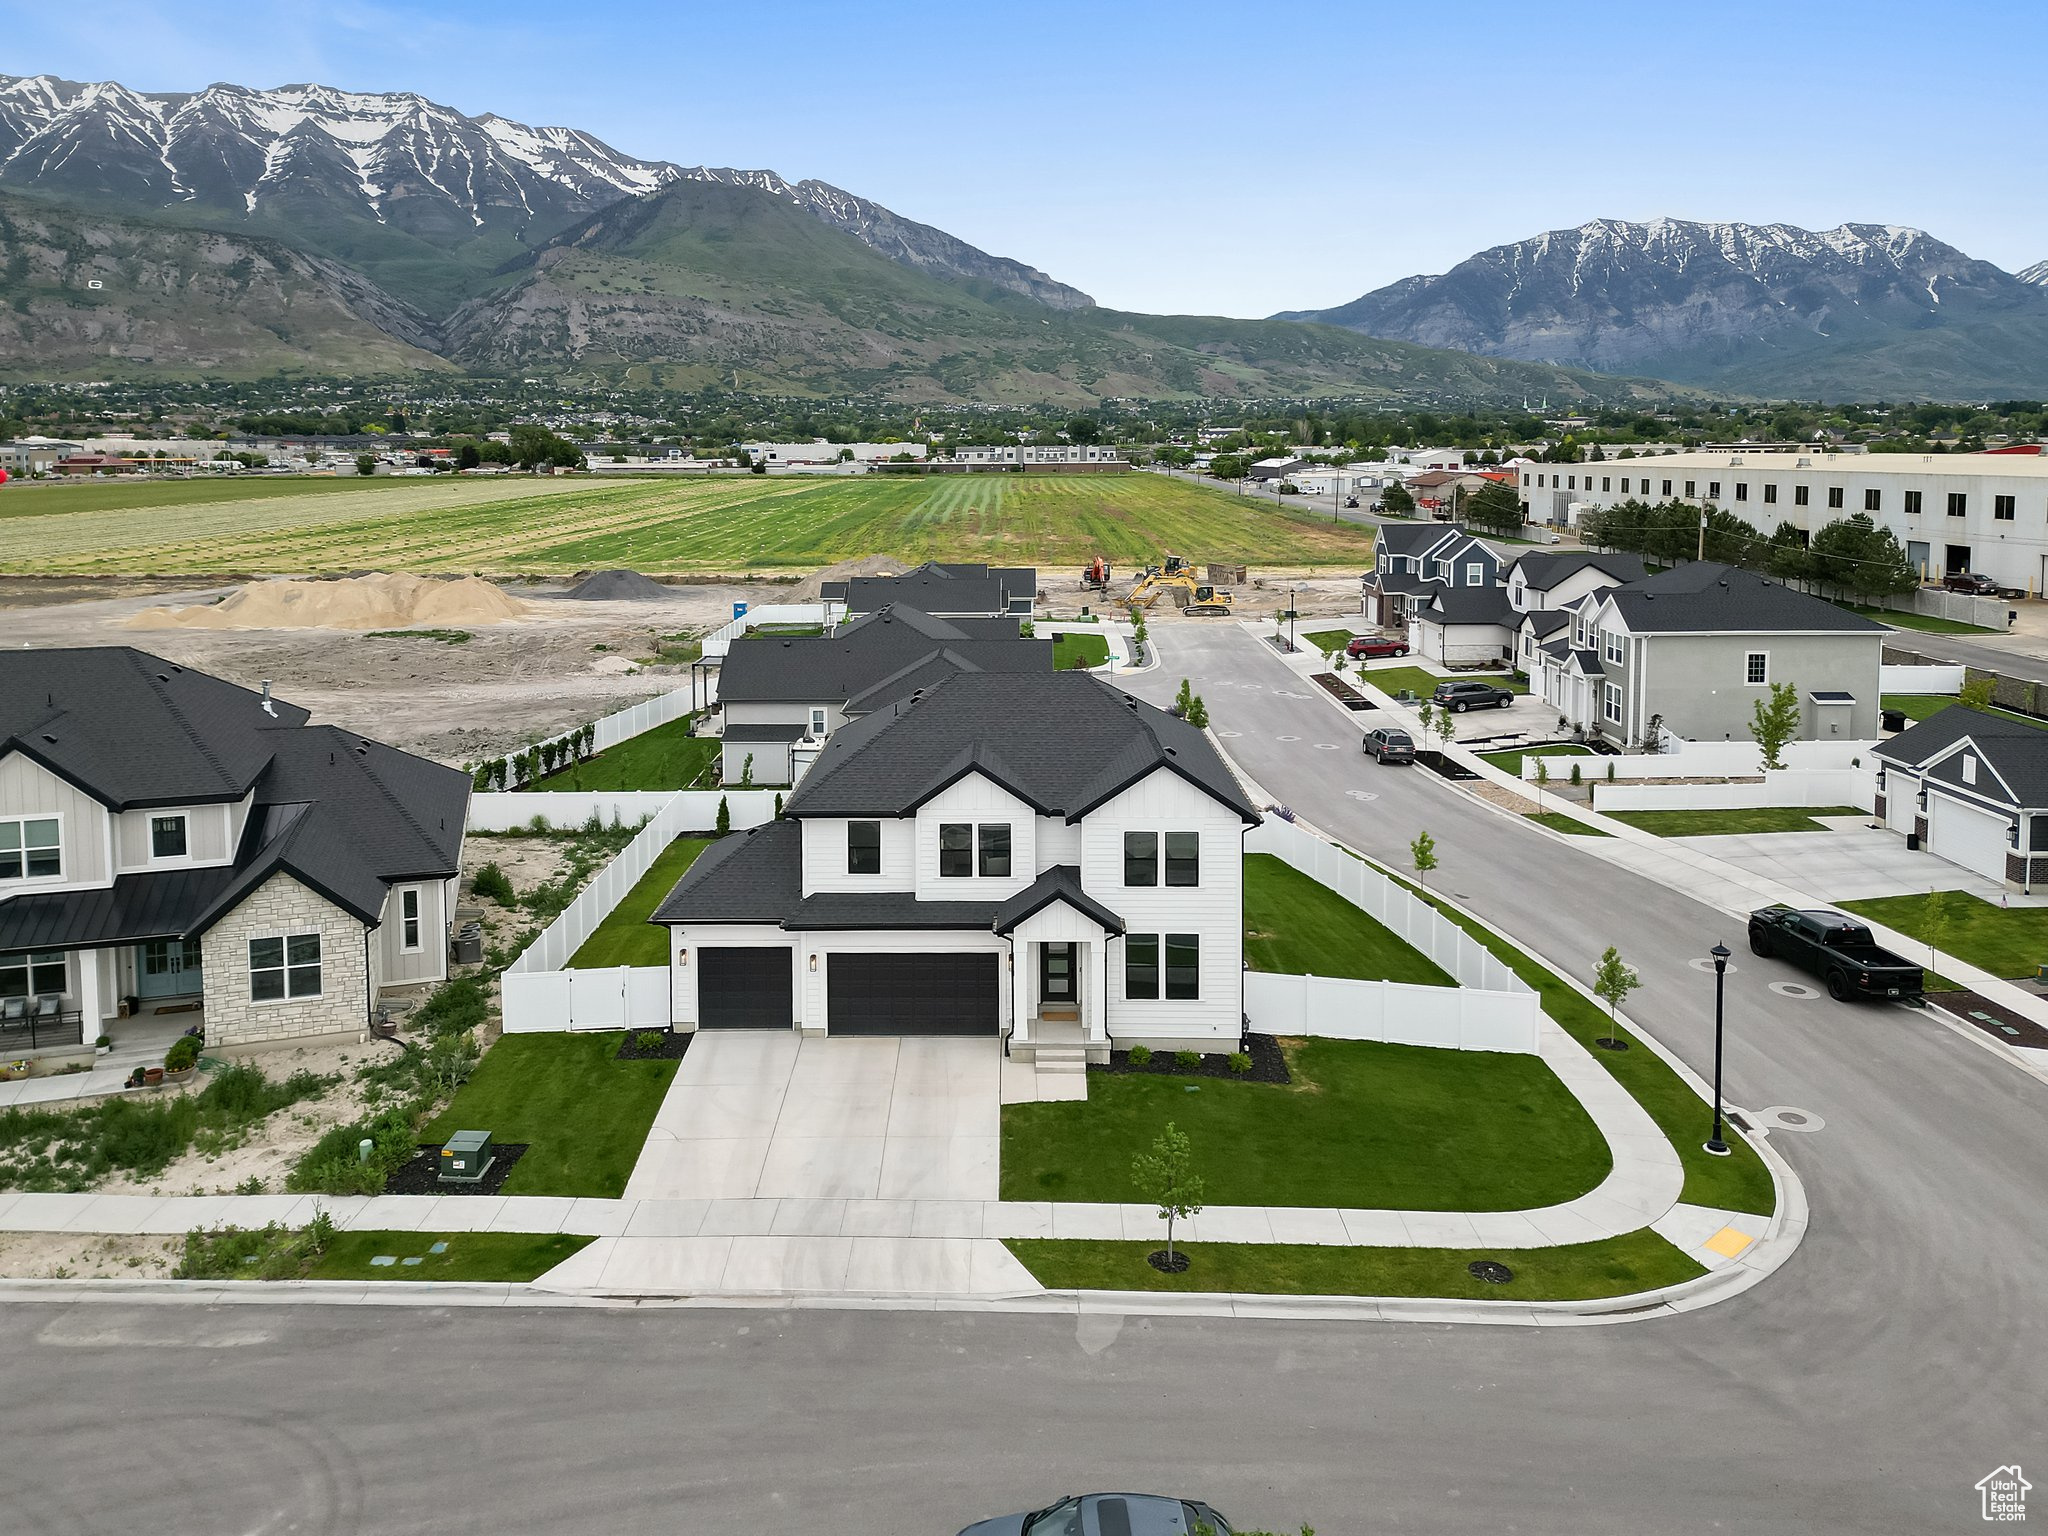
[{"x": 1178, "y": 581}]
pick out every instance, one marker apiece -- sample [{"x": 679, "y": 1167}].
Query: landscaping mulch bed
[
  {"x": 1342, "y": 691},
  {"x": 2000, "y": 1024},
  {"x": 1175, "y": 1263},
  {"x": 673, "y": 1045},
  {"x": 421, "y": 1176},
  {"x": 1269, "y": 1064}
]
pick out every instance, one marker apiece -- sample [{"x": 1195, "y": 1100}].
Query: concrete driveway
[
  {"x": 1848, "y": 862},
  {"x": 769, "y": 1115}
]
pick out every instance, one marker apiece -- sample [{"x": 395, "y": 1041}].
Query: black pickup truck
[{"x": 1837, "y": 949}]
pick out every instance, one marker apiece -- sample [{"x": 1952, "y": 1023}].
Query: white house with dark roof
[
  {"x": 172, "y": 842},
  {"x": 1973, "y": 788},
  {"x": 1038, "y": 856},
  {"x": 950, "y": 591}
]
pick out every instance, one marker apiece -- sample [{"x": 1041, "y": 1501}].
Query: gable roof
[
  {"x": 1544, "y": 569},
  {"x": 1469, "y": 605},
  {"x": 854, "y": 663},
  {"x": 1062, "y": 882},
  {"x": 1542, "y": 623},
  {"x": 1705, "y": 597},
  {"x": 2014, "y": 751},
  {"x": 939, "y": 587},
  {"x": 1063, "y": 742},
  {"x": 1419, "y": 538}
]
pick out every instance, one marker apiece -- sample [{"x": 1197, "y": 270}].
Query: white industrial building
[{"x": 819, "y": 451}]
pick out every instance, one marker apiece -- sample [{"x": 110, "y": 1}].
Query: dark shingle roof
[
  {"x": 865, "y": 654},
  {"x": 1545, "y": 622},
  {"x": 1063, "y": 742},
  {"x": 941, "y": 588},
  {"x": 1469, "y": 605},
  {"x": 1062, "y": 882},
  {"x": 2016, "y": 751},
  {"x": 1418, "y": 538},
  {"x": 1544, "y": 569},
  {"x": 1708, "y": 598},
  {"x": 771, "y": 731}
]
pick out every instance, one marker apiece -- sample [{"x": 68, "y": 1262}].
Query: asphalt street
[{"x": 1864, "y": 1388}]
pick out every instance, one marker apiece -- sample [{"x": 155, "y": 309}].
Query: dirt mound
[
  {"x": 810, "y": 589},
  {"x": 357, "y": 602},
  {"x": 618, "y": 587}
]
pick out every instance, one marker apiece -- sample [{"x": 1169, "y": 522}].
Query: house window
[
  {"x": 167, "y": 837},
  {"x": 1912, "y": 503},
  {"x": 1667, "y": 487},
  {"x": 1612, "y": 648},
  {"x": 1606, "y": 484},
  {"x": 956, "y": 850},
  {"x": 1141, "y": 965},
  {"x": 2003, "y": 508},
  {"x": 409, "y": 920},
  {"x": 1183, "y": 858},
  {"x": 284, "y": 966},
  {"x": 32, "y": 973},
  {"x": 1800, "y": 494},
  {"x": 1183, "y": 967},
  {"x": 817, "y": 722},
  {"x": 29, "y": 847},
  {"x": 1439, "y": 570},
  {"x": 1742, "y": 490},
  {"x": 995, "y": 850},
  {"x": 1141, "y": 858},
  {"x": 1613, "y": 702},
  {"x": 1958, "y": 504},
  {"x": 1873, "y": 499},
  {"x": 1770, "y": 494},
  {"x": 1713, "y": 490},
  {"x": 1835, "y": 496},
  {"x": 1969, "y": 769},
  {"x": 1475, "y": 575},
  {"x": 863, "y": 847},
  {"x": 1690, "y": 487},
  {"x": 1571, "y": 482},
  {"x": 1756, "y": 667}
]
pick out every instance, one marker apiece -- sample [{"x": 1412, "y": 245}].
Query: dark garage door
[
  {"x": 744, "y": 989},
  {"x": 913, "y": 995}
]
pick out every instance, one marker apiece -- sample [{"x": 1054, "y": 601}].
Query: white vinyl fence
[
  {"x": 720, "y": 640},
  {"x": 1414, "y": 922},
  {"x": 1399, "y": 1013},
  {"x": 618, "y": 997},
  {"x": 1985, "y": 612},
  {"x": 1704, "y": 760},
  {"x": 1934, "y": 678},
  {"x": 1789, "y": 787}
]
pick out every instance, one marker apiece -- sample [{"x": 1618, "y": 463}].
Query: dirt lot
[{"x": 86, "y": 1256}]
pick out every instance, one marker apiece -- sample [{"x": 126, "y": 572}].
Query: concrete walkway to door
[{"x": 768, "y": 1115}]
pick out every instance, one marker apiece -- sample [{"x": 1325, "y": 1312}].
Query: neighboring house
[
  {"x": 1412, "y": 562},
  {"x": 1559, "y": 578},
  {"x": 1973, "y": 788},
  {"x": 946, "y": 591},
  {"x": 1036, "y": 856},
  {"x": 781, "y": 697},
  {"x": 1538, "y": 628},
  {"x": 1464, "y": 626},
  {"x": 170, "y": 839},
  {"x": 1689, "y": 651}
]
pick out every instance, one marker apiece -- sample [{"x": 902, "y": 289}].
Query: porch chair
[{"x": 14, "y": 1013}]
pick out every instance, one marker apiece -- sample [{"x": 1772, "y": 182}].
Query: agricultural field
[{"x": 732, "y": 524}]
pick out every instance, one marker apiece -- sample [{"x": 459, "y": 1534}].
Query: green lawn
[
  {"x": 1511, "y": 762},
  {"x": 1070, "y": 652},
  {"x": 1401, "y": 1127},
  {"x": 1328, "y": 640},
  {"x": 1300, "y": 927},
  {"x": 1770, "y": 818},
  {"x": 483, "y": 1256},
  {"x": 1920, "y": 706},
  {"x": 667, "y": 757},
  {"x": 582, "y": 1115},
  {"x": 1926, "y": 623},
  {"x": 626, "y": 937},
  {"x": 2006, "y": 941},
  {"x": 1571, "y": 826},
  {"x": 1422, "y": 683},
  {"x": 1738, "y": 1182},
  {"x": 1619, "y": 1266}
]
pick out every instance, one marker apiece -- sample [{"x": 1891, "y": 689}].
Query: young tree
[
  {"x": 1936, "y": 925},
  {"x": 1978, "y": 692},
  {"x": 1423, "y": 852},
  {"x": 1775, "y": 721},
  {"x": 1198, "y": 713},
  {"x": 1166, "y": 1177},
  {"x": 1185, "y": 699},
  {"x": 1613, "y": 980},
  {"x": 366, "y": 464},
  {"x": 724, "y": 822},
  {"x": 1542, "y": 779},
  {"x": 1425, "y": 720},
  {"x": 1397, "y": 500},
  {"x": 747, "y": 772}
]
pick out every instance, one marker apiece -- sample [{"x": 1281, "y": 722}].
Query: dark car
[
  {"x": 1459, "y": 697},
  {"x": 1973, "y": 582},
  {"x": 1108, "y": 1514},
  {"x": 1838, "y": 949},
  {"x": 1375, "y": 645},
  {"x": 1387, "y": 745}
]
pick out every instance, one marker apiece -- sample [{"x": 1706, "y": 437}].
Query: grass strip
[
  {"x": 1298, "y": 926},
  {"x": 1571, "y": 826},
  {"x": 2006, "y": 941},
  {"x": 513, "y": 1257},
  {"x": 1767, "y": 818},
  {"x": 667, "y": 757},
  {"x": 626, "y": 937}
]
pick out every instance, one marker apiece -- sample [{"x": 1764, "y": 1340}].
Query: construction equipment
[
  {"x": 1184, "y": 591},
  {"x": 1096, "y": 577}
]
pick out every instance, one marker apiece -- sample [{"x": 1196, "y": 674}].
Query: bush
[
  {"x": 490, "y": 882},
  {"x": 454, "y": 1008},
  {"x": 648, "y": 1040},
  {"x": 1240, "y": 1061},
  {"x": 1141, "y": 1055},
  {"x": 267, "y": 1253},
  {"x": 333, "y": 1165},
  {"x": 183, "y": 1054},
  {"x": 1187, "y": 1060}
]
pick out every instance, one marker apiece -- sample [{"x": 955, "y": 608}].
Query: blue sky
[{"x": 1198, "y": 157}]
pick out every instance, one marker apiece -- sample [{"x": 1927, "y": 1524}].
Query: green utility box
[{"x": 467, "y": 1157}]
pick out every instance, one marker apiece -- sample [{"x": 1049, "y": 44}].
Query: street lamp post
[
  {"x": 1716, "y": 1144},
  {"x": 1290, "y": 621}
]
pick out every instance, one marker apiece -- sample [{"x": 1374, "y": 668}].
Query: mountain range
[{"x": 1863, "y": 311}]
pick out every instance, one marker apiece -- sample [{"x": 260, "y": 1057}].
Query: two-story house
[
  {"x": 1544, "y": 585},
  {"x": 1690, "y": 650},
  {"x": 1037, "y": 856},
  {"x": 950, "y": 591},
  {"x": 781, "y": 697},
  {"x": 1413, "y": 562},
  {"x": 170, "y": 841}
]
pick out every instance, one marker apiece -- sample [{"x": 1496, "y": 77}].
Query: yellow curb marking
[{"x": 1729, "y": 1243}]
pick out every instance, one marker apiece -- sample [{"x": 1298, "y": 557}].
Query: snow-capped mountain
[
  {"x": 1861, "y": 309},
  {"x": 313, "y": 161},
  {"x": 2036, "y": 274}
]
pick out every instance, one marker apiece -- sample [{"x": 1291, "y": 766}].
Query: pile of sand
[
  {"x": 810, "y": 589},
  {"x": 376, "y": 601},
  {"x": 618, "y": 587}
]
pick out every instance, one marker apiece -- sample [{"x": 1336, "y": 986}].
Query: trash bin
[
  {"x": 1912, "y": 842},
  {"x": 1893, "y": 719}
]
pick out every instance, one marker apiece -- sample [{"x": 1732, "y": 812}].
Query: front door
[
  {"x": 169, "y": 968},
  {"x": 1056, "y": 976}
]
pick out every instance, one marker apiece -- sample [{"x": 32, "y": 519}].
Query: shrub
[
  {"x": 1240, "y": 1061},
  {"x": 1187, "y": 1059},
  {"x": 333, "y": 1166},
  {"x": 454, "y": 1008},
  {"x": 183, "y": 1054},
  {"x": 1578, "y": 776},
  {"x": 1141, "y": 1055},
  {"x": 490, "y": 882},
  {"x": 648, "y": 1040},
  {"x": 262, "y": 1253}
]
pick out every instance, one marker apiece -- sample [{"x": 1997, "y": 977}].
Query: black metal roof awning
[{"x": 160, "y": 905}]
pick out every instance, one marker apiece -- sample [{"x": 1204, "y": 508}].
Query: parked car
[
  {"x": 1976, "y": 583},
  {"x": 1838, "y": 949},
  {"x": 1108, "y": 1514},
  {"x": 1370, "y": 646},
  {"x": 1387, "y": 745},
  {"x": 1461, "y": 696},
  {"x": 1350, "y": 501}
]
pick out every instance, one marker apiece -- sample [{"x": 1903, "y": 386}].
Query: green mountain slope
[
  {"x": 704, "y": 281},
  {"x": 186, "y": 301}
]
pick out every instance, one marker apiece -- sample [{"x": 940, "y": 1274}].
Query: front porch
[{"x": 59, "y": 1002}]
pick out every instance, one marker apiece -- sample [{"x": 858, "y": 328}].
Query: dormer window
[
  {"x": 863, "y": 847},
  {"x": 167, "y": 837}
]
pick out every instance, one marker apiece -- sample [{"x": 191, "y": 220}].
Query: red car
[{"x": 1375, "y": 645}]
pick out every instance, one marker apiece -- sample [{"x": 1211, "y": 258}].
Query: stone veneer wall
[{"x": 281, "y": 905}]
